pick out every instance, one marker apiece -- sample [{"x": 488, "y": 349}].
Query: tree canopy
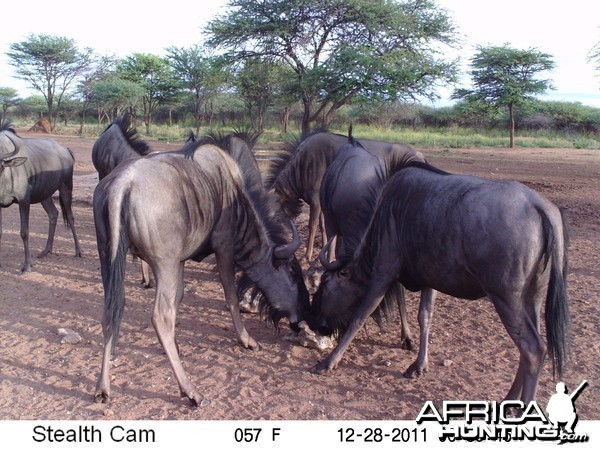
[
  {"x": 340, "y": 49},
  {"x": 504, "y": 77},
  {"x": 154, "y": 75},
  {"x": 198, "y": 73},
  {"x": 8, "y": 97},
  {"x": 49, "y": 64}
]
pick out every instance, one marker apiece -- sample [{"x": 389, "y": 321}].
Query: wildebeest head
[
  {"x": 337, "y": 297},
  {"x": 295, "y": 305},
  {"x": 10, "y": 159},
  {"x": 277, "y": 282}
]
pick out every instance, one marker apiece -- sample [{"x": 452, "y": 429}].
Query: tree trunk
[
  {"x": 306, "y": 119},
  {"x": 511, "y": 117},
  {"x": 328, "y": 118},
  {"x": 82, "y": 123},
  {"x": 285, "y": 119}
]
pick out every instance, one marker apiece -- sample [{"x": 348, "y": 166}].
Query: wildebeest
[
  {"x": 467, "y": 237},
  {"x": 31, "y": 171},
  {"x": 296, "y": 174},
  {"x": 120, "y": 142},
  {"x": 171, "y": 207},
  {"x": 349, "y": 188}
]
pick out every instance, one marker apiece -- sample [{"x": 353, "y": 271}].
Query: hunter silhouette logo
[{"x": 561, "y": 407}]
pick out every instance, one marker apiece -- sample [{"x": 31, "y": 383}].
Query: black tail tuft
[
  {"x": 114, "y": 298},
  {"x": 557, "y": 306}
]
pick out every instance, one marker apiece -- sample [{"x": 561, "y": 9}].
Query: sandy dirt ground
[{"x": 471, "y": 355}]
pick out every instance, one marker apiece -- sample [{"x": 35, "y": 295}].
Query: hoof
[
  {"x": 322, "y": 368},
  {"x": 251, "y": 344},
  {"x": 204, "y": 403},
  {"x": 255, "y": 347},
  {"x": 415, "y": 372},
  {"x": 197, "y": 400},
  {"x": 407, "y": 344},
  {"x": 101, "y": 397}
]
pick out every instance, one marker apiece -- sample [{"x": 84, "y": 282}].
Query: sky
[{"x": 566, "y": 30}]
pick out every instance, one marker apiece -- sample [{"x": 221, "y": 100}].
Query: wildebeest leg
[
  {"x": 169, "y": 292},
  {"x": 102, "y": 394},
  {"x": 24, "y": 213},
  {"x": 521, "y": 320},
  {"x": 367, "y": 306},
  {"x": 52, "y": 213},
  {"x": 313, "y": 223},
  {"x": 66, "y": 200},
  {"x": 324, "y": 232},
  {"x": 406, "y": 336},
  {"x": 227, "y": 275},
  {"x": 417, "y": 368},
  {"x": 146, "y": 279},
  {"x": 0, "y": 236}
]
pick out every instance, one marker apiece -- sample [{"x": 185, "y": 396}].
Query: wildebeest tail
[
  {"x": 392, "y": 298},
  {"x": 557, "y": 307},
  {"x": 114, "y": 303},
  {"x": 63, "y": 209},
  {"x": 69, "y": 181}
]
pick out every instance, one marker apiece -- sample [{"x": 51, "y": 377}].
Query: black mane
[
  {"x": 223, "y": 140},
  {"x": 130, "y": 134},
  {"x": 282, "y": 159}
]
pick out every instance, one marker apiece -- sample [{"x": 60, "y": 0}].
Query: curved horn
[
  {"x": 285, "y": 251},
  {"x": 14, "y": 153},
  {"x": 324, "y": 257}
]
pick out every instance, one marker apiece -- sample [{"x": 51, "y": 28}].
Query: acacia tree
[
  {"x": 102, "y": 70},
  {"x": 50, "y": 64},
  {"x": 505, "y": 77},
  {"x": 154, "y": 75},
  {"x": 198, "y": 73},
  {"x": 114, "y": 96},
  {"x": 8, "y": 97},
  {"x": 340, "y": 49},
  {"x": 258, "y": 82}
]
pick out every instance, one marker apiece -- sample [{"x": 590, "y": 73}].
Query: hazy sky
[{"x": 566, "y": 30}]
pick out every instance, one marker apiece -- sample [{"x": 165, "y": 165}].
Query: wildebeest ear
[{"x": 14, "y": 162}]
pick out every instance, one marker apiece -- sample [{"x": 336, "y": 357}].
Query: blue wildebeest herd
[{"x": 398, "y": 223}]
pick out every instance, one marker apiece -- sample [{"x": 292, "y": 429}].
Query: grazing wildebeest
[
  {"x": 171, "y": 207},
  {"x": 467, "y": 237},
  {"x": 349, "y": 188},
  {"x": 296, "y": 174},
  {"x": 31, "y": 171}
]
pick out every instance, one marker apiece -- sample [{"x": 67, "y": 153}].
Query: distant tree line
[
  {"x": 278, "y": 62},
  {"x": 551, "y": 116}
]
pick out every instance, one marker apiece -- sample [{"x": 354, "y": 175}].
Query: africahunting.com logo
[{"x": 493, "y": 421}]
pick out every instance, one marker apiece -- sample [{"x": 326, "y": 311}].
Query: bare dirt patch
[{"x": 471, "y": 355}]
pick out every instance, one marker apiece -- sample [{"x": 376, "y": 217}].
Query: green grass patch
[
  {"x": 455, "y": 137},
  {"x": 440, "y": 138}
]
